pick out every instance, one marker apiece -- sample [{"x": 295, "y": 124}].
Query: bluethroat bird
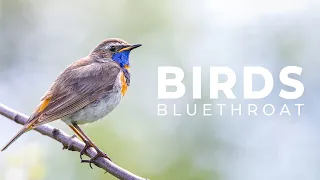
[{"x": 86, "y": 91}]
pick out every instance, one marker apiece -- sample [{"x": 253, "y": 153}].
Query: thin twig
[{"x": 70, "y": 143}]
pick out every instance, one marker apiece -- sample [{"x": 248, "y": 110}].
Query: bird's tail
[{"x": 22, "y": 131}]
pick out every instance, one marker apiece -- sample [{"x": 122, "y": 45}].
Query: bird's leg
[
  {"x": 87, "y": 144},
  {"x": 99, "y": 152}
]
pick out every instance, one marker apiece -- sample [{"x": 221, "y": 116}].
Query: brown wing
[{"x": 80, "y": 84}]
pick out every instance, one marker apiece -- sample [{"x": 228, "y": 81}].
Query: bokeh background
[{"x": 38, "y": 39}]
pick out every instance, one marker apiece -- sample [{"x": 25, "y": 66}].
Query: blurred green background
[{"x": 38, "y": 39}]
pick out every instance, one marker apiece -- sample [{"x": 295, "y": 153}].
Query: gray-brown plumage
[
  {"x": 82, "y": 83},
  {"x": 87, "y": 90}
]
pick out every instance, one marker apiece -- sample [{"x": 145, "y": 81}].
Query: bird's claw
[
  {"x": 83, "y": 151},
  {"x": 99, "y": 154}
]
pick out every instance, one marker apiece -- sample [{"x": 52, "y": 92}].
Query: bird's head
[{"x": 115, "y": 49}]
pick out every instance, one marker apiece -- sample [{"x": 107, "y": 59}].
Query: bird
[{"x": 86, "y": 91}]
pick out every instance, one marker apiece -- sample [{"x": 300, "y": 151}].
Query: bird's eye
[{"x": 112, "y": 48}]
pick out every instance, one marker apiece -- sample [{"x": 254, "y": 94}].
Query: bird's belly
[{"x": 95, "y": 110}]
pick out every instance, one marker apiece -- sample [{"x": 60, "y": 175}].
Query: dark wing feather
[{"x": 82, "y": 83}]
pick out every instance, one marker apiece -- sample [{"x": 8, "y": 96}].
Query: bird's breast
[
  {"x": 124, "y": 85},
  {"x": 102, "y": 106},
  {"x": 124, "y": 79}
]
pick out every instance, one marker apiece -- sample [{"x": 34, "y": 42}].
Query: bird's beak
[{"x": 130, "y": 47}]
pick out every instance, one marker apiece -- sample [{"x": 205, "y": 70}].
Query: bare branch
[{"x": 72, "y": 144}]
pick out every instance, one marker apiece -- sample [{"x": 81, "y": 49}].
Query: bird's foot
[
  {"x": 83, "y": 151},
  {"x": 99, "y": 154}
]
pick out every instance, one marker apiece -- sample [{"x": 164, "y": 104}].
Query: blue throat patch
[{"x": 122, "y": 58}]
